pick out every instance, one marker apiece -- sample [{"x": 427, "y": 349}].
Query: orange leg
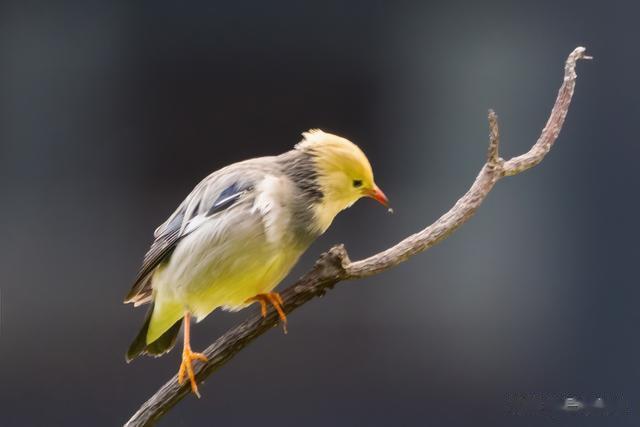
[
  {"x": 275, "y": 300},
  {"x": 188, "y": 357}
]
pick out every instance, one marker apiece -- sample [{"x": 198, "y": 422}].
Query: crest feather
[{"x": 310, "y": 138}]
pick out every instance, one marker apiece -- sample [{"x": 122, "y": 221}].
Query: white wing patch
[{"x": 272, "y": 194}]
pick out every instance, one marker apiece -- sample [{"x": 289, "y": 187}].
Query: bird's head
[{"x": 343, "y": 174}]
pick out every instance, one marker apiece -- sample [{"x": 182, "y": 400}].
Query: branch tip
[
  {"x": 580, "y": 53},
  {"x": 493, "y": 155}
]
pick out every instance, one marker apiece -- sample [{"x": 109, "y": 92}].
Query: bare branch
[
  {"x": 556, "y": 119},
  {"x": 334, "y": 266}
]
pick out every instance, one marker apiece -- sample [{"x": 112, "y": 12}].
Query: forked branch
[{"x": 334, "y": 266}]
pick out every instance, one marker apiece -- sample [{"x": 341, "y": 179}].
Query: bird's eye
[{"x": 357, "y": 183}]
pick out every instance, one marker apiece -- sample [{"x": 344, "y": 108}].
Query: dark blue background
[{"x": 111, "y": 112}]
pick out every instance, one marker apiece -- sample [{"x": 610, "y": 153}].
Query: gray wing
[{"x": 218, "y": 192}]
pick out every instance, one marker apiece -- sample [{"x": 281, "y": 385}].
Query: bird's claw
[
  {"x": 276, "y": 301},
  {"x": 186, "y": 366}
]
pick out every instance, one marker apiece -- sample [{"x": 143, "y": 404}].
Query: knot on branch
[
  {"x": 330, "y": 268},
  {"x": 333, "y": 263}
]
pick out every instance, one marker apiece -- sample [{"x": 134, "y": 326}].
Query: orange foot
[
  {"x": 186, "y": 366},
  {"x": 275, "y": 300}
]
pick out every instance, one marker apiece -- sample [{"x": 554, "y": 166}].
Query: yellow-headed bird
[{"x": 239, "y": 233}]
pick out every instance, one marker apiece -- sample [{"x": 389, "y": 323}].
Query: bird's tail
[{"x": 160, "y": 346}]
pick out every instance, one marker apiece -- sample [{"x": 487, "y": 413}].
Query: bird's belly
[
  {"x": 231, "y": 289},
  {"x": 203, "y": 277}
]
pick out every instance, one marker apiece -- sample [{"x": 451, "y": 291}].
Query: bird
[{"x": 238, "y": 234}]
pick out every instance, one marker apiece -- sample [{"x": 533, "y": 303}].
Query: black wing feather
[
  {"x": 227, "y": 198},
  {"x": 160, "y": 250},
  {"x": 169, "y": 234}
]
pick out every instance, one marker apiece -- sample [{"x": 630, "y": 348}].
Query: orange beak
[{"x": 376, "y": 194}]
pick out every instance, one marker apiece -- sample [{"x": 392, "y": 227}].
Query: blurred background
[{"x": 110, "y": 112}]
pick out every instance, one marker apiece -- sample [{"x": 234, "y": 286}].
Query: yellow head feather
[{"x": 343, "y": 173}]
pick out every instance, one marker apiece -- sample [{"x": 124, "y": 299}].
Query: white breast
[{"x": 271, "y": 202}]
